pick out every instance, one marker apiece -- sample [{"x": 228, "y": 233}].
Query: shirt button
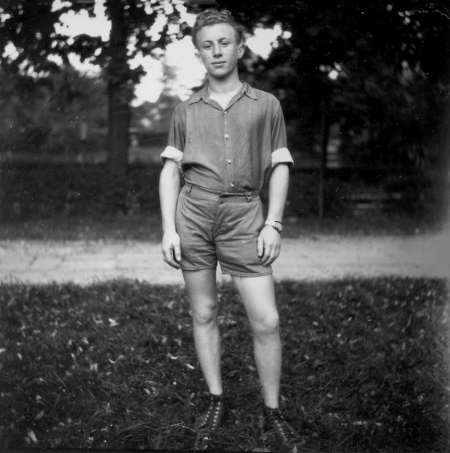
[
  {"x": 224, "y": 112},
  {"x": 226, "y": 136},
  {"x": 229, "y": 160},
  {"x": 232, "y": 184}
]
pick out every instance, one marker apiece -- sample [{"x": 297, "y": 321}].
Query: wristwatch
[{"x": 275, "y": 224}]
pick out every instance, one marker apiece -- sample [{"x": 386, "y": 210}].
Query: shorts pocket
[{"x": 240, "y": 257}]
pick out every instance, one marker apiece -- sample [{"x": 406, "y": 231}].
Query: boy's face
[{"x": 218, "y": 50}]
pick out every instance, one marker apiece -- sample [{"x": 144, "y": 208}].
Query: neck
[{"x": 224, "y": 86}]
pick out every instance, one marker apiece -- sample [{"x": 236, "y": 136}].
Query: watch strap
[{"x": 275, "y": 225}]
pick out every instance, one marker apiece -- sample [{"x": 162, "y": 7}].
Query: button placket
[{"x": 228, "y": 151}]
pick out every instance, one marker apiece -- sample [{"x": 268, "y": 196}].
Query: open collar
[{"x": 204, "y": 94}]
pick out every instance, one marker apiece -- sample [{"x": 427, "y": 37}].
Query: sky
[{"x": 179, "y": 55}]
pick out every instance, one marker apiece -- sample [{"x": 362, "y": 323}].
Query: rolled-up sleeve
[
  {"x": 280, "y": 152},
  {"x": 171, "y": 153},
  {"x": 175, "y": 144}
]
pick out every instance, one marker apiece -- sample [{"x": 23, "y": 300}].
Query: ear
[{"x": 241, "y": 49}]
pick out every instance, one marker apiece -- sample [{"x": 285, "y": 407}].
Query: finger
[
  {"x": 169, "y": 259},
  {"x": 274, "y": 253},
  {"x": 260, "y": 246},
  {"x": 273, "y": 256},
  {"x": 173, "y": 264},
  {"x": 270, "y": 260},
  {"x": 267, "y": 253},
  {"x": 177, "y": 252}
]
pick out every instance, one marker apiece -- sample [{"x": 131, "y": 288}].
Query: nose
[{"x": 217, "y": 50}]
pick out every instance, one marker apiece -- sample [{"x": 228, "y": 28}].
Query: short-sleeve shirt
[{"x": 228, "y": 150}]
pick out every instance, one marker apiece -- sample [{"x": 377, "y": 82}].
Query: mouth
[{"x": 218, "y": 63}]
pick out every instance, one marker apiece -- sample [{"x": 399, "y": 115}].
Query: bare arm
[
  {"x": 269, "y": 241},
  {"x": 169, "y": 188}
]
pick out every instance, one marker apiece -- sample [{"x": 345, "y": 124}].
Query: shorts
[{"x": 224, "y": 228}]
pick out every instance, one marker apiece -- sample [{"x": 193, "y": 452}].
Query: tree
[
  {"x": 30, "y": 26},
  {"x": 156, "y": 116},
  {"x": 360, "y": 41},
  {"x": 49, "y": 113},
  {"x": 376, "y": 49}
]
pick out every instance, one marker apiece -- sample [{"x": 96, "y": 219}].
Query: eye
[
  {"x": 206, "y": 46},
  {"x": 225, "y": 43}
]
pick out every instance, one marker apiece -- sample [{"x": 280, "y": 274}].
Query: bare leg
[
  {"x": 258, "y": 295},
  {"x": 202, "y": 291}
]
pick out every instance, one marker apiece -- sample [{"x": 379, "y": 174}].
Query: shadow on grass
[{"x": 113, "y": 366}]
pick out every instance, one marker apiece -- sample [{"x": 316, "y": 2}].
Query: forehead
[{"x": 216, "y": 32}]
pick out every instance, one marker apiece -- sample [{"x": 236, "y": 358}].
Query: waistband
[{"x": 188, "y": 187}]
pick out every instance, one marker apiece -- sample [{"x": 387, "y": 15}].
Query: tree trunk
[
  {"x": 324, "y": 148},
  {"x": 118, "y": 122},
  {"x": 120, "y": 91}
]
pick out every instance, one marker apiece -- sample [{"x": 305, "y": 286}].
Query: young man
[{"x": 226, "y": 142}]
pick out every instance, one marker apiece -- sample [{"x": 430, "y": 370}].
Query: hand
[
  {"x": 269, "y": 245},
  {"x": 171, "y": 249}
]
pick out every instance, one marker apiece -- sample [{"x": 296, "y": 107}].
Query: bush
[
  {"x": 44, "y": 190},
  {"x": 39, "y": 191}
]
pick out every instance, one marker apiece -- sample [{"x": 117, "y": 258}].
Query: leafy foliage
[
  {"x": 47, "y": 114},
  {"x": 80, "y": 194},
  {"x": 44, "y": 191},
  {"x": 113, "y": 365},
  {"x": 31, "y": 27},
  {"x": 390, "y": 64},
  {"x": 391, "y": 58},
  {"x": 155, "y": 117}
]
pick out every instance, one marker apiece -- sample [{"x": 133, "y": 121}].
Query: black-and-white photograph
[{"x": 225, "y": 226}]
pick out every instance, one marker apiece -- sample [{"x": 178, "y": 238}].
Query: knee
[
  {"x": 269, "y": 325},
  {"x": 205, "y": 315}
]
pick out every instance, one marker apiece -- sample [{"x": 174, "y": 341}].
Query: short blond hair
[{"x": 214, "y": 16}]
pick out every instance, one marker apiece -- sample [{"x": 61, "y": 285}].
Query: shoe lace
[
  {"x": 277, "y": 420},
  {"x": 213, "y": 411}
]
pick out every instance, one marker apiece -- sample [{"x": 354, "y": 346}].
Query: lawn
[{"x": 113, "y": 365}]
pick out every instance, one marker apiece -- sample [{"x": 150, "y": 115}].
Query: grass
[{"x": 113, "y": 365}]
